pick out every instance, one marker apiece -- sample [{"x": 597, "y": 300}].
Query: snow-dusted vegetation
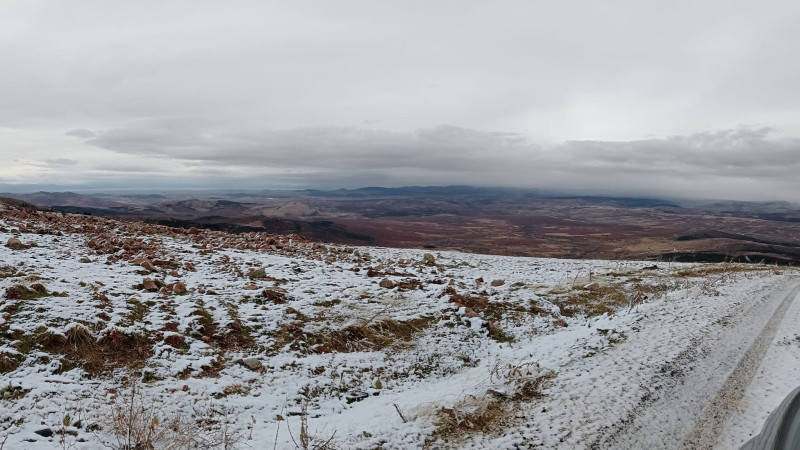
[{"x": 128, "y": 335}]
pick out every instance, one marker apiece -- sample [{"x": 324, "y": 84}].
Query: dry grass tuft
[
  {"x": 21, "y": 292},
  {"x": 376, "y": 336},
  {"x": 471, "y": 414},
  {"x": 135, "y": 423},
  {"x": 9, "y": 362},
  {"x": 590, "y": 303},
  {"x": 718, "y": 269},
  {"x": 497, "y": 333},
  {"x": 477, "y": 303},
  {"x": 492, "y": 413},
  {"x": 235, "y": 336},
  {"x": 81, "y": 349}
]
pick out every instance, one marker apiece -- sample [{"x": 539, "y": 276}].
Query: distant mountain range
[{"x": 476, "y": 219}]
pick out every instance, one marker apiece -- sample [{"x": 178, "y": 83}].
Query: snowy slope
[{"x": 278, "y": 342}]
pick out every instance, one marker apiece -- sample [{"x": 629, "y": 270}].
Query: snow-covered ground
[{"x": 276, "y": 342}]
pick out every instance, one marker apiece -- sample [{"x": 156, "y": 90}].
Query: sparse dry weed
[
  {"x": 137, "y": 422},
  {"x": 80, "y": 348},
  {"x": 602, "y": 299},
  {"x": 706, "y": 270},
  {"x": 492, "y": 412},
  {"x": 365, "y": 336}
]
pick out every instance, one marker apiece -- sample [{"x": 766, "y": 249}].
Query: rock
[
  {"x": 257, "y": 274},
  {"x": 85, "y": 260},
  {"x": 39, "y": 288},
  {"x": 322, "y": 348},
  {"x": 15, "y": 293},
  {"x": 408, "y": 284},
  {"x": 147, "y": 264},
  {"x": 386, "y": 283},
  {"x": 355, "y": 396},
  {"x": 165, "y": 263},
  {"x": 179, "y": 288},
  {"x": 149, "y": 285},
  {"x": 7, "y": 271},
  {"x": 274, "y": 294},
  {"x": 15, "y": 244},
  {"x": 252, "y": 363},
  {"x": 497, "y": 283},
  {"x": 45, "y": 432},
  {"x": 653, "y": 267},
  {"x": 560, "y": 323},
  {"x": 189, "y": 266},
  {"x": 594, "y": 287}
]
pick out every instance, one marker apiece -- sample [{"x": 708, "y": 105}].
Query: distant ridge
[
  {"x": 18, "y": 204},
  {"x": 417, "y": 191},
  {"x": 630, "y": 202}
]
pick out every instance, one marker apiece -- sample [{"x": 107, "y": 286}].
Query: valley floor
[{"x": 112, "y": 331}]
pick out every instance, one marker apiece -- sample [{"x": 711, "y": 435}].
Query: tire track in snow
[
  {"x": 678, "y": 405},
  {"x": 709, "y": 426}
]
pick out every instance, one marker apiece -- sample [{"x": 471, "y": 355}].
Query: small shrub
[
  {"x": 12, "y": 392},
  {"x": 469, "y": 415},
  {"x": 9, "y": 362},
  {"x": 497, "y": 333},
  {"x": 491, "y": 412},
  {"x": 135, "y": 423},
  {"x": 20, "y": 292},
  {"x": 175, "y": 340}
]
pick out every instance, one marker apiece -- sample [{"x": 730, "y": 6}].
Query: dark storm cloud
[{"x": 741, "y": 152}]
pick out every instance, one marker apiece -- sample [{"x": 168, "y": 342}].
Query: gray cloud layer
[{"x": 745, "y": 161}]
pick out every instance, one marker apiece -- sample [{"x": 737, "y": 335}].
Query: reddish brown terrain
[{"x": 480, "y": 220}]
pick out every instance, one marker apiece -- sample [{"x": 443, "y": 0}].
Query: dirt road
[{"x": 713, "y": 374}]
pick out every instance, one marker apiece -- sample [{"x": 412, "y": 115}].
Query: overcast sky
[{"x": 672, "y": 98}]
